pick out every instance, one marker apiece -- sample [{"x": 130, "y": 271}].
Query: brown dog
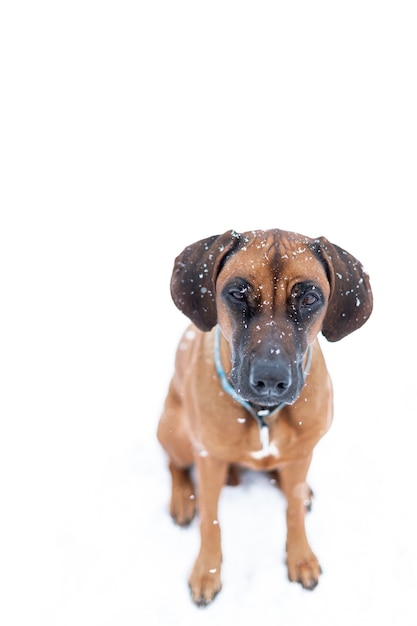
[{"x": 250, "y": 386}]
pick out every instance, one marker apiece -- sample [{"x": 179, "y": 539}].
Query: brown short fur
[{"x": 270, "y": 293}]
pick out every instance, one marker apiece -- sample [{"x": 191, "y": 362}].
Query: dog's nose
[{"x": 270, "y": 379}]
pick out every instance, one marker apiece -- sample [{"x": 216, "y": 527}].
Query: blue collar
[{"x": 260, "y": 414}]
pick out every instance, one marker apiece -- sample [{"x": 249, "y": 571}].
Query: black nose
[{"x": 270, "y": 379}]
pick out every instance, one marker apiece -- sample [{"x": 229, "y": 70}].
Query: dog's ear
[
  {"x": 351, "y": 301},
  {"x": 193, "y": 281}
]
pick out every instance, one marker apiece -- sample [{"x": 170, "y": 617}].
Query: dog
[{"x": 250, "y": 387}]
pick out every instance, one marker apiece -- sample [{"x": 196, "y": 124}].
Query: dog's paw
[
  {"x": 183, "y": 500},
  {"x": 183, "y": 508},
  {"x": 305, "y": 571},
  {"x": 204, "y": 582},
  {"x": 308, "y": 500}
]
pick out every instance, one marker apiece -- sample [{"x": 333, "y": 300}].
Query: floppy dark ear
[
  {"x": 193, "y": 281},
  {"x": 350, "y": 304}
]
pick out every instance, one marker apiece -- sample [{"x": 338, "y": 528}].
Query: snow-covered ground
[{"x": 130, "y": 130}]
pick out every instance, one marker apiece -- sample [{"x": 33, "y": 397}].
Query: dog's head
[{"x": 271, "y": 292}]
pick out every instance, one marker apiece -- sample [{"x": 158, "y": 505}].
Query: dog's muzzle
[
  {"x": 270, "y": 380},
  {"x": 265, "y": 383}
]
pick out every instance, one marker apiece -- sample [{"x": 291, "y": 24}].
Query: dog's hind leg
[
  {"x": 274, "y": 477},
  {"x": 233, "y": 477},
  {"x": 174, "y": 438},
  {"x": 183, "y": 499}
]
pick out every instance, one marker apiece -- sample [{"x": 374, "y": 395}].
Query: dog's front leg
[
  {"x": 205, "y": 580},
  {"x": 303, "y": 566}
]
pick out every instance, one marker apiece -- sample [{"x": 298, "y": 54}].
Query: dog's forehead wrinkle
[{"x": 275, "y": 274}]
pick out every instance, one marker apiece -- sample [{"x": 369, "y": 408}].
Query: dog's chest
[
  {"x": 265, "y": 446},
  {"x": 242, "y": 440},
  {"x": 268, "y": 448}
]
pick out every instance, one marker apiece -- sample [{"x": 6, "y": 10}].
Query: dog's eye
[
  {"x": 309, "y": 299},
  {"x": 238, "y": 294}
]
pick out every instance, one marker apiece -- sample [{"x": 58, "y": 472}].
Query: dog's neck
[{"x": 259, "y": 413}]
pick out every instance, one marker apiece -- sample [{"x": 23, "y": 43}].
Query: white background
[{"x": 129, "y": 130}]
